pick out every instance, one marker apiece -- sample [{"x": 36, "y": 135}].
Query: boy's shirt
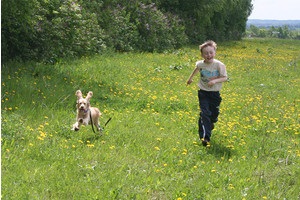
[{"x": 208, "y": 72}]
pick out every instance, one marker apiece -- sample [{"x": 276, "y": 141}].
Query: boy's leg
[
  {"x": 215, "y": 106},
  {"x": 204, "y": 122}
]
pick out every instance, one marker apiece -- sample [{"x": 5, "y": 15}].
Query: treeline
[
  {"x": 47, "y": 30},
  {"x": 283, "y": 32}
]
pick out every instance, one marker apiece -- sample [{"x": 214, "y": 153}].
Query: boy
[{"x": 212, "y": 74}]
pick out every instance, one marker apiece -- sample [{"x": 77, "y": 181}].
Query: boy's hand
[{"x": 211, "y": 83}]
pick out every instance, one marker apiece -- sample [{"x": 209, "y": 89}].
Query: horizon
[{"x": 273, "y": 19}]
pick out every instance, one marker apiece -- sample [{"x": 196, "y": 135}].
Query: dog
[{"x": 85, "y": 113}]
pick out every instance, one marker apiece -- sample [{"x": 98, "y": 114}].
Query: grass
[{"x": 150, "y": 149}]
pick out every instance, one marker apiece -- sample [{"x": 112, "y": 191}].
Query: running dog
[{"x": 85, "y": 113}]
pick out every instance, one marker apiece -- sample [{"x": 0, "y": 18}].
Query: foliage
[
  {"x": 17, "y": 28},
  {"x": 48, "y": 30},
  {"x": 282, "y": 32},
  {"x": 157, "y": 30},
  {"x": 150, "y": 149},
  {"x": 122, "y": 33},
  {"x": 215, "y": 19}
]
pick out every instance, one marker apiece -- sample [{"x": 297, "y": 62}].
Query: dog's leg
[
  {"x": 97, "y": 124},
  {"x": 75, "y": 127}
]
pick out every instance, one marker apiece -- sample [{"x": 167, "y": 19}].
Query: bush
[
  {"x": 69, "y": 30},
  {"x": 122, "y": 33},
  {"x": 17, "y": 29},
  {"x": 47, "y": 30},
  {"x": 158, "y": 31}
]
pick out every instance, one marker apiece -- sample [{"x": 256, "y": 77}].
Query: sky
[{"x": 276, "y": 9}]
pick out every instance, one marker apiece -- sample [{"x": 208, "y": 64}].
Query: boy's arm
[
  {"x": 190, "y": 80},
  {"x": 221, "y": 78}
]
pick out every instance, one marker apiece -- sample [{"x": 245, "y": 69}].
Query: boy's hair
[{"x": 208, "y": 43}]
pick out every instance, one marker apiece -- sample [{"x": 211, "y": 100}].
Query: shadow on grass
[{"x": 219, "y": 150}]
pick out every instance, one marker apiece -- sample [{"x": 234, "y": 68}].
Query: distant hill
[{"x": 292, "y": 24}]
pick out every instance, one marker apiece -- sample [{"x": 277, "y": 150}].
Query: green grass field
[{"x": 151, "y": 149}]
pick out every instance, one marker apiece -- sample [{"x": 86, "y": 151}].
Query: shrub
[
  {"x": 69, "y": 30},
  {"x": 158, "y": 31},
  {"x": 122, "y": 33}
]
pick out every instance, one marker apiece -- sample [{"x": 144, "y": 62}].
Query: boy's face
[{"x": 208, "y": 53}]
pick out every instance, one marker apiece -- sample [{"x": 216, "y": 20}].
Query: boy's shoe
[{"x": 204, "y": 142}]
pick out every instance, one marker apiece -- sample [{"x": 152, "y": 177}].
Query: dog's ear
[
  {"x": 89, "y": 95},
  {"x": 78, "y": 94}
]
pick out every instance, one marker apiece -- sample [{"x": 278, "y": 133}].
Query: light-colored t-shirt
[{"x": 209, "y": 71}]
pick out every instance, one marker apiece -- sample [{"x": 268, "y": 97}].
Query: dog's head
[{"x": 83, "y": 104}]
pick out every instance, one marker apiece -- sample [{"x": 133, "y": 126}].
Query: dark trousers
[{"x": 209, "y": 111}]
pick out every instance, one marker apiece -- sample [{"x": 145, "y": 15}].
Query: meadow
[{"x": 150, "y": 149}]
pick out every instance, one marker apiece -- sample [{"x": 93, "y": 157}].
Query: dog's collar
[{"x": 85, "y": 111}]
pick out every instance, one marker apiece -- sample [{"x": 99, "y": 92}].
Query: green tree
[{"x": 18, "y": 38}]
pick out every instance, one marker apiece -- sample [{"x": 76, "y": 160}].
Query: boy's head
[
  {"x": 206, "y": 44},
  {"x": 208, "y": 51}
]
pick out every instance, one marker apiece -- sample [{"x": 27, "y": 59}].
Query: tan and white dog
[{"x": 85, "y": 113}]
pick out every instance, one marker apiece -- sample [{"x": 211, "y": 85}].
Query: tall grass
[{"x": 150, "y": 149}]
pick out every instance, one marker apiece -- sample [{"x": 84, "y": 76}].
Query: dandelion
[
  {"x": 40, "y": 138},
  {"x": 213, "y": 170},
  {"x": 112, "y": 147},
  {"x": 157, "y": 148},
  {"x": 90, "y": 145},
  {"x": 184, "y": 152},
  {"x": 230, "y": 187}
]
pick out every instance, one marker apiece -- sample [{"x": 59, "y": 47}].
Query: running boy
[{"x": 212, "y": 74}]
